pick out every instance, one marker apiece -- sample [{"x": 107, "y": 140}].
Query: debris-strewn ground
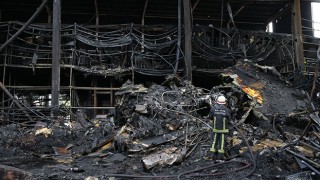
[{"x": 163, "y": 132}]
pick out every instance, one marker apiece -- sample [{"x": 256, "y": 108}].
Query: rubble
[
  {"x": 9, "y": 173},
  {"x": 45, "y": 131},
  {"x": 165, "y": 157},
  {"x": 117, "y": 107},
  {"x": 163, "y": 131}
]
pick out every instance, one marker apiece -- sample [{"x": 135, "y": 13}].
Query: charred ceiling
[{"x": 253, "y": 14}]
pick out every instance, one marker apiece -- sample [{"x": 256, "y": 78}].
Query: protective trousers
[{"x": 218, "y": 142}]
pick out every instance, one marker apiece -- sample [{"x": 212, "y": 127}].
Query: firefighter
[{"x": 221, "y": 116}]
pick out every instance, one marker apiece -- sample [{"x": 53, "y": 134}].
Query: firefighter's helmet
[{"x": 221, "y": 100}]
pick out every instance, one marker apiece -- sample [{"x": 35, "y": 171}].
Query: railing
[
  {"x": 310, "y": 44},
  {"x": 219, "y": 48},
  {"x": 150, "y": 50},
  {"x": 100, "y": 49}
]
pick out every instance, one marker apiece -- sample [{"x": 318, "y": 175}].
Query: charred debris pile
[{"x": 163, "y": 131}]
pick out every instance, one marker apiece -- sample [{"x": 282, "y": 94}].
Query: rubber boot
[
  {"x": 211, "y": 156},
  {"x": 220, "y": 156},
  {"x": 214, "y": 156}
]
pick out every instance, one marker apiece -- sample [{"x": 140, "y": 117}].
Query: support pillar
[
  {"x": 49, "y": 12},
  {"x": 179, "y": 38},
  {"x": 221, "y": 18},
  {"x": 56, "y": 54},
  {"x": 142, "y": 23},
  {"x": 97, "y": 16},
  {"x": 111, "y": 91},
  {"x": 187, "y": 39},
  {"x": 297, "y": 35},
  {"x": 95, "y": 97}
]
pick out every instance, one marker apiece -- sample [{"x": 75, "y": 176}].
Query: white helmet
[{"x": 221, "y": 100}]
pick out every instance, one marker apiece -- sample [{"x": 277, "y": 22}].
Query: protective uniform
[{"x": 220, "y": 115}]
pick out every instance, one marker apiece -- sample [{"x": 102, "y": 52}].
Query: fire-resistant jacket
[{"x": 220, "y": 115}]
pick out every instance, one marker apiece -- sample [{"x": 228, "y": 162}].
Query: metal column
[
  {"x": 97, "y": 16},
  {"x": 56, "y": 53},
  {"x": 95, "y": 98},
  {"x": 187, "y": 39},
  {"x": 179, "y": 38},
  {"x": 297, "y": 34},
  {"x": 142, "y": 23}
]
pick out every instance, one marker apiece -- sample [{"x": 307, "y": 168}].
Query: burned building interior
[{"x": 122, "y": 89}]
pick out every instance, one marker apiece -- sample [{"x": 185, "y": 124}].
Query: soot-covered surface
[{"x": 167, "y": 116}]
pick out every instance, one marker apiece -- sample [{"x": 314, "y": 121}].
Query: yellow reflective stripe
[
  {"x": 220, "y": 130},
  {"x": 212, "y": 149},
  {"x": 222, "y": 142},
  {"x": 224, "y": 123},
  {"x": 214, "y": 123}
]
